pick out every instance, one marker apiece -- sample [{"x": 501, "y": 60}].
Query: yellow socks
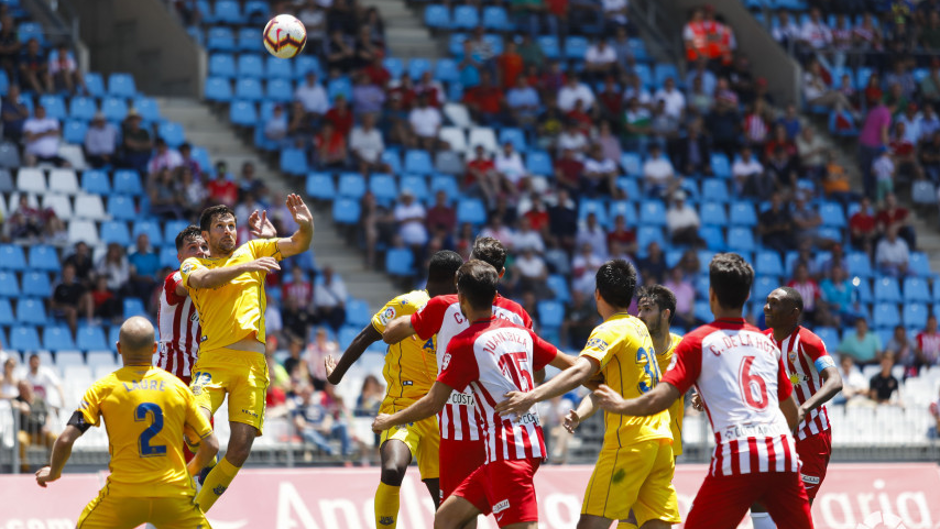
[
  {"x": 215, "y": 484},
  {"x": 386, "y": 506}
]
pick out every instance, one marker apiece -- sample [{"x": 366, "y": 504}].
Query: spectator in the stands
[
  {"x": 485, "y": 101},
  {"x": 511, "y": 168},
  {"x": 840, "y": 299},
  {"x": 806, "y": 221},
  {"x": 637, "y": 119},
  {"x": 481, "y": 179},
  {"x": 441, "y": 217},
  {"x": 593, "y": 233},
  {"x": 600, "y": 173},
  {"x": 568, "y": 171},
  {"x": 498, "y": 229},
  {"x": 411, "y": 217},
  {"x": 563, "y": 220},
  {"x": 723, "y": 123},
  {"x": 338, "y": 52},
  {"x": 14, "y": 114},
  {"x": 685, "y": 298},
  {"x": 100, "y": 142},
  {"x": 572, "y": 91},
  {"x": 683, "y": 221},
  {"x": 775, "y": 225},
  {"x": 756, "y": 126},
  {"x": 783, "y": 170},
  {"x": 664, "y": 126},
  {"x": 221, "y": 189},
  {"x": 883, "y": 168},
  {"x": 9, "y": 46},
  {"x": 33, "y": 67},
  {"x": 70, "y": 299},
  {"x": 144, "y": 266},
  {"x": 892, "y": 255},
  {"x": 873, "y": 138},
  {"x": 114, "y": 267},
  {"x": 746, "y": 171},
  {"x": 367, "y": 146},
  {"x": 340, "y": 115},
  {"x": 330, "y": 148},
  {"x": 884, "y": 387},
  {"x": 29, "y": 222},
  {"x": 425, "y": 123},
  {"x": 35, "y": 424},
  {"x": 298, "y": 288},
  {"x": 933, "y": 431},
  {"x": 522, "y": 102},
  {"x": 894, "y": 215},
  {"x": 580, "y": 319},
  {"x": 329, "y": 300},
  {"x": 862, "y": 227},
  {"x": 600, "y": 59},
  {"x": 573, "y": 138},
  {"x": 9, "y": 379},
  {"x": 903, "y": 349},
  {"x": 928, "y": 343},
  {"x": 817, "y": 93},
  {"x": 64, "y": 73},
  {"x": 165, "y": 195},
  {"x": 854, "y": 386},
  {"x": 164, "y": 158},
  {"x": 531, "y": 273},
  {"x": 584, "y": 267},
  {"x": 80, "y": 260},
  {"x": 692, "y": 153},
  {"x": 509, "y": 65},
  {"x": 367, "y": 97},
  {"x": 863, "y": 346},
  {"x": 672, "y": 97},
  {"x": 621, "y": 235},
  {"x": 319, "y": 349},
  {"x": 44, "y": 382},
  {"x": 42, "y": 136},
  {"x": 815, "y": 33},
  {"x": 809, "y": 290},
  {"x": 653, "y": 266},
  {"x": 812, "y": 152},
  {"x": 658, "y": 173},
  {"x": 904, "y": 154},
  {"x": 609, "y": 143},
  {"x": 277, "y": 127},
  {"x": 700, "y": 101},
  {"x": 136, "y": 142}
]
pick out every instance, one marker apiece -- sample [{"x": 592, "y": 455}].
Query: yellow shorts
[
  {"x": 676, "y": 414},
  {"x": 119, "y": 512},
  {"x": 243, "y": 375},
  {"x": 423, "y": 438},
  {"x": 637, "y": 476}
]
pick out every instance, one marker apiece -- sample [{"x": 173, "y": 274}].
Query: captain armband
[
  {"x": 78, "y": 420},
  {"x": 823, "y": 362}
]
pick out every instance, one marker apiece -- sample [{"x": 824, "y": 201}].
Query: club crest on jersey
[
  {"x": 445, "y": 361},
  {"x": 387, "y": 315},
  {"x": 792, "y": 356}
]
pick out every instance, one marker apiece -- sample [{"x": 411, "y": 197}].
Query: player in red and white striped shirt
[
  {"x": 815, "y": 379},
  {"x": 492, "y": 356},
  {"x": 740, "y": 376},
  {"x": 461, "y": 449}
]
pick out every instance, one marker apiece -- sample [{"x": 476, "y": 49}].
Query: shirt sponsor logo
[
  {"x": 501, "y": 506},
  {"x": 597, "y": 343}
]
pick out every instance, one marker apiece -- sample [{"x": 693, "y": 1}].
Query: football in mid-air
[{"x": 285, "y": 36}]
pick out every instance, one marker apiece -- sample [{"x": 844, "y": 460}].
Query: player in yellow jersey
[
  {"x": 635, "y": 466},
  {"x": 228, "y": 290},
  {"x": 656, "y": 306},
  {"x": 410, "y": 371},
  {"x": 147, "y": 411}
]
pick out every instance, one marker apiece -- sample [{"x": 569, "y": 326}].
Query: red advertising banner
[{"x": 866, "y": 496}]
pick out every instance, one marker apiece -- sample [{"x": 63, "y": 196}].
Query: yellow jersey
[
  {"x": 410, "y": 365},
  {"x": 235, "y": 310},
  {"x": 677, "y": 410},
  {"x": 622, "y": 346},
  {"x": 144, "y": 410}
]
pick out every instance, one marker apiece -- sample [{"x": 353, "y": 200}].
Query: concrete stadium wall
[{"x": 143, "y": 38}]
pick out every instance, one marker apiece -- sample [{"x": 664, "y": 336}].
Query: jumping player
[
  {"x": 410, "y": 370},
  {"x": 228, "y": 290},
  {"x": 740, "y": 376},
  {"x": 462, "y": 449},
  {"x": 636, "y": 464},
  {"x": 146, "y": 411},
  {"x": 815, "y": 379},
  {"x": 491, "y": 356}
]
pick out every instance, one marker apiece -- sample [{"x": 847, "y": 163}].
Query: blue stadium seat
[
  {"x": 471, "y": 210},
  {"x": 346, "y": 210},
  {"x": 742, "y": 214},
  {"x": 96, "y": 181},
  {"x": 829, "y": 336},
  {"x": 357, "y": 313},
  {"x": 114, "y": 108},
  {"x": 36, "y": 284},
  {"x": 764, "y": 285},
  {"x": 647, "y": 234},
  {"x": 172, "y": 133},
  {"x": 279, "y": 90},
  {"x": 645, "y": 73},
  {"x": 94, "y": 84},
  {"x": 418, "y": 161},
  {"x": 417, "y": 66},
  {"x": 445, "y": 183},
  {"x": 638, "y": 46},
  {"x": 115, "y": 231},
  {"x": 437, "y": 16},
  {"x": 713, "y": 213},
  {"x": 250, "y": 66},
  {"x": 703, "y": 311},
  {"x": 858, "y": 264},
  {"x": 916, "y": 290},
  {"x": 229, "y": 12},
  {"x": 466, "y": 17},
  {"x": 91, "y": 338},
  {"x": 320, "y": 186},
  {"x": 24, "y": 338},
  {"x": 886, "y": 316},
  {"x": 250, "y": 40},
  {"x": 576, "y": 47},
  {"x": 399, "y": 262},
  {"x": 121, "y": 207},
  {"x": 720, "y": 165},
  {"x": 394, "y": 65},
  {"x": 293, "y": 161},
  {"x": 631, "y": 163},
  {"x": 446, "y": 71},
  {"x": 54, "y": 105},
  {"x": 134, "y": 307},
  {"x": 9, "y": 286},
  {"x": 168, "y": 257},
  {"x": 768, "y": 263},
  {"x": 151, "y": 228},
  {"x": 514, "y": 136},
  {"x": 44, "y": 258},
  {"x": 341, "y": 86},
  {"x": 418, "y": 187},
  {"x": 201, "y": 155},
  {"x": 597, "y": 207},
  {"x": 121, "y": 84},
  {"x": 6, "y": 313},
  {"x": 31, "y": 30},
  {"x": 652, "y": 212},
  {"x": 914, "y": 315},
  {"x": 222, "y": 65},
  {"x": 455, "y": 44},
  {"x": 218, "y": 89},
  {"x": 305, "y": 64},
  {"x": 624, "y": 208},
  {"x": 31, "y": 311},
  {"x": 12, "y": 257},
  {"x": 257, "y": 10},
  {"x": 741, "y": 240},
  {"x": 82, "y": 108},
  {"x": 250, "y": 89},
  {"x": 243, "y": 113},
  {"x": 713, "y": 237},
  {"x": 887, "y": 290},
  {"x": 57, "y": 338},
  {"x": 663, "y": 71},
  {"x": 551, "y": 313},
  {"x": 832, "y": 214},
  {"x": 715, "y": 189},
  {"x": 495, "y": 18},
  {"x": 276, "y": 68},
  {"x": 630, "y": 187},
  {"x": 559, "y": 285},
  {"x": 383, "y": 187},
  {"x": 549, "y": 45},
  {"x": 171, "y": 229},
  {"x": 919, "y": 264},
  {"x": 351, "y": 185},
  {"x": 539, "y": 163},
  {"x": 74, "y": 132}
]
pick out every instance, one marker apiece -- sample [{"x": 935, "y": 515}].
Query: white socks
[{"x": 762, "y": 520}]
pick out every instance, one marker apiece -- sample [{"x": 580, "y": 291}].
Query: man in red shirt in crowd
[
  {"x": 481, "y": 179},
  {"x": 485, "y": 100},
  {"x": 893, "y": 215},
  {"x": 222, "y": 190},
  {"x": 862, "y": 227},
  {"x": 340, "y": 116}
]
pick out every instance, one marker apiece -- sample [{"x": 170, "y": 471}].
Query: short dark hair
[
  {"x": 444, "y": 264},
  {"x": 490, "y": 251},
  {"x": 189, "y": 232},
  {"x": 477, "y": 281},
  {"x": 731, "y": 278},
  {"x": 616, "y": 283},
  {"x": 661, "y": 296},
  {"x": 793, "y": 296},
  {"x": 208, "y": 214}
]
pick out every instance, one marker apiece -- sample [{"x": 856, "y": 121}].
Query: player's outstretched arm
[
  {"x": 336, "y": 370},
  {"x": 652, "y": 402},
  {"x": 398, "y": 329},
  {"x": 518, "y": 402},
  {"x": 300, "y": 241},
  {"x": 208, "y": 448},
  {"x": 426, "y": 406},
  {"x": 203, "y": 278},
  {"x": 61, "y": 451},
  {"x": 586, "y": 409}
]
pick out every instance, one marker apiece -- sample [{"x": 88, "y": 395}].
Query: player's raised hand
[
  {"x": 697, "y": 402},
  {"x": 44, "y": 475},
  {"x": 572, "y": 421},
  {"x": 608, "y": 399},
  {"x": 260, "y": 226},
  {"x": 516, "y": 403},
  {"x": 298, "y": 209},
  {"x": 262, "y": 264},
  {"x": 380, "y": 424}
]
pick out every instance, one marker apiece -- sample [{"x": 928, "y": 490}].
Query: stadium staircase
[{"x": 406, "y": 33}]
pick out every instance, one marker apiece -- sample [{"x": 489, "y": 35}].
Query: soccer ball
[{"x": 285, "y": 36}]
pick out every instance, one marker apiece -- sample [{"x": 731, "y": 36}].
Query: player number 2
[
  {"x": 644, "y": 358},
  {"x": 143, "y": 442},
  {"x": 753, "y": 386}
]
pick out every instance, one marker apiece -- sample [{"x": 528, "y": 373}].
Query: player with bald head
[{"x": 147, "y": 411}]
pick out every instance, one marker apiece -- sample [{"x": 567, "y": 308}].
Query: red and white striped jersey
[
  {"x": 179, "y": 329},
  {"x": 739, "y": 374},
  {"x": 492, "y": 357},
  {"x": 929, "y": 344},
  {"x": 806, "y": 358},
  {"x": 442, "y": 316}
]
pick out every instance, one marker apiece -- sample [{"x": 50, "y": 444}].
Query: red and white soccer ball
[{"x": 285, "y": 36}]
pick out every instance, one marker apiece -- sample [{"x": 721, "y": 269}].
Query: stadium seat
[
  {"x": 383, "y": 187},
  {"x": 172, "y": 133},
  {"x": 496, "y": 19},
  {"x": 31, "y": 311},
  {"x": 9, "y": 155},
  {"x": 222, "y": 65},
  {"x": 96, "y": 181},
  {"x": 483, "y": 136},
  {"x": 550, "y": 46},
  {"x": 625, "y": 209},
  {"x": 886, "y": 316},
  {"x": 115, "y": 231},
  {"x": 352, "y": 185},
  {"x": 220, "y": 39},
  {"x": 741, "y": 240},
  {"x": 445, "y": 183},
  {"x": 646, "y": 235},
  {"x": 229, "y": 12},
  {"x": 12, "y": 257},
  {"x": 54, "y": 105},
  {"x": 455, "y": 138},
  {"x": 294, "y": 162},
  {"x": 418, "y": 187},
  {"x": 121, "y": 84},
  {"x": 91, "y": 338},
  {"x": 358, "y": 313},
  {"x": 74, "y": 132},
  {"x": 720, "y": 165},
  {"x": 471, "y": 210},
  {"x": 436, "y": 16},
  {"x": 539, "y": 163},
  {"x": 276, "y": 68},
  {"x": 31, "y": 180},
  {"x": 703, "y": 311},
  {"x": 887, "y": 290},
  {"x": 94, "y": 84},
  {"x": 832, "y": 214},
  {"x": 392, "y": 158},
  {"x": 218, "y": 89},
  {"x": 713, "y": 213},
  {"x": 24, "y": 338},
  {"x": 448, "y": 162},
  {"x": 257, "y": 11},
  {"x": 346, "y": 211},
  {"x": 83, "y": 230},
  {"x": 858, "y": 264},
  {"x": 89, "y": 207},
  {"x": 340, "y": 86},
  {"x": 250, "y": 66},
  {"x": 715, "y": 190},
  {"x": 596, "y": 207},
  {"x": 417, "y": 67},
  {"x": 551, "y": 313},
  {"x": 919, "y": 264},
  {"x": 36, "y": 284},
  {"x": 82, "y": 108},
  {"x": 6, "y": 313},
  {"x": 57, "y": 338},
  {"x": 6, "y": 186},
  {"x": 558, "y": 284},
  {"x": 466, "y": 17},
  {"x": 514, "y": 136},
  {"x": 9, "y": 286},
  {"x": 763, "y": 285},
  {"x": 320, "y": 186},
  {"x": 829, "y": 336},
  {"x": 446, "y": 71},
  {"x": 134, "y": 307},
  {"x": 168, "y": 257},
  {"x": 768, "y": 263},
  {"x": 150, "y": 228},
  {"x": 63, "y": 181},
  {"x": 576, "y": 47},
  {"x": 243, "y": 113},
  {"x": 418, "y": 161},
  {"x": 121, "y": 207},
  {"x": 249, "y": 40},
  {"x": 914, "y": 315},
  {"x": 44, "y": 258},
  {"x": 399, "y": 262},
  {"x": 742, "y": 214},
  {"x": 279, "y": 90},
  {"x": 652, "y": 212},
  {"x": 631, "y": 163},
  {"x": 663, "y": 71},
  {"x": 60, "y": 204}
]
